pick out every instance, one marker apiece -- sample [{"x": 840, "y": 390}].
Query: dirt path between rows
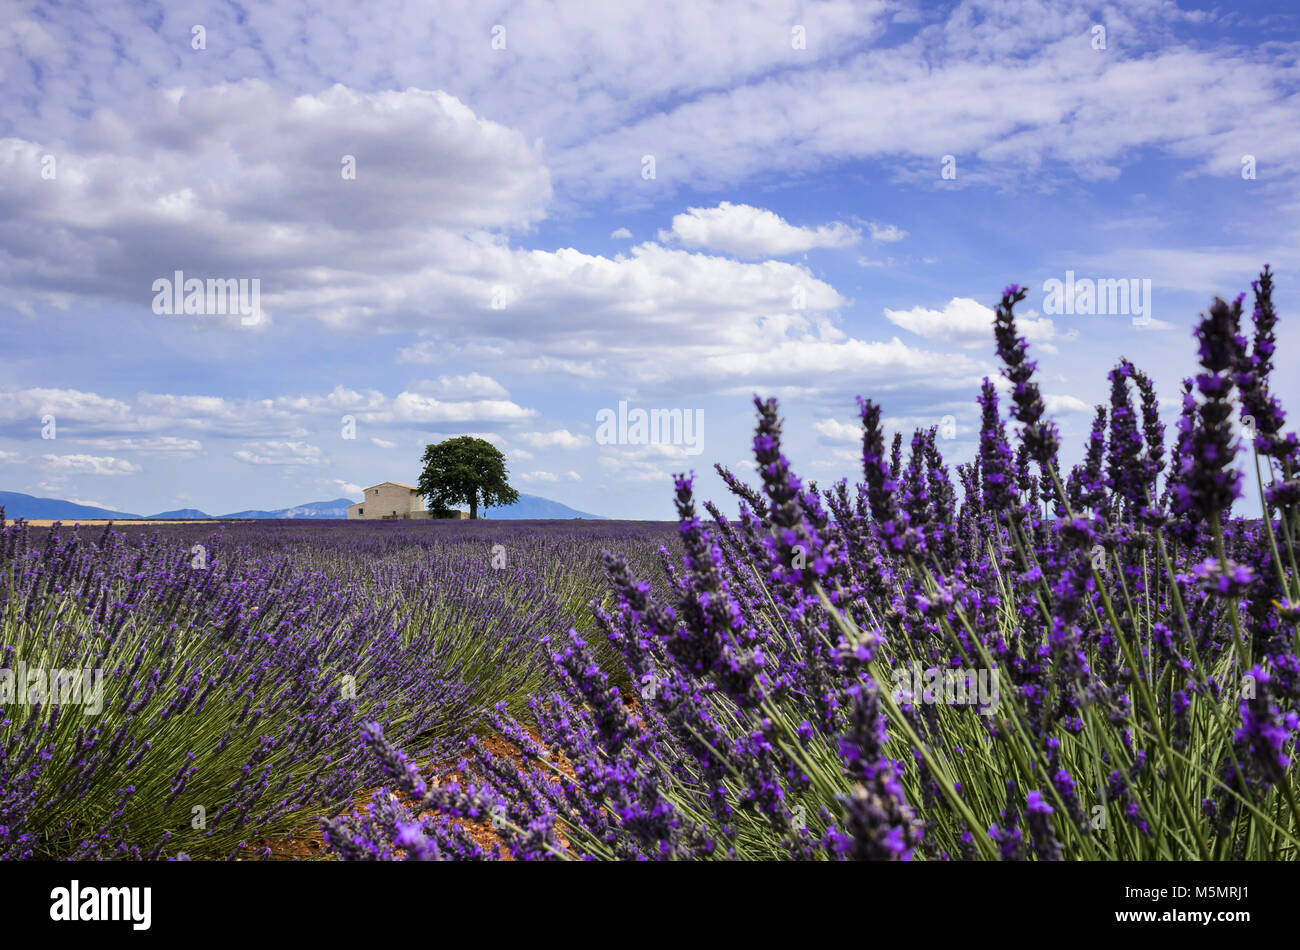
[{"x": 307, "y": 843}]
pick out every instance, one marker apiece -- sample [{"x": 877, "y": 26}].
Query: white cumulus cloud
[
  {"x": 559, "y": 439},
  {"x": 746, "y": 231},
  {"x": 88, "y": 465},
  {"x": 968, "y": 323},
  {"x": 272, "y": 452}
]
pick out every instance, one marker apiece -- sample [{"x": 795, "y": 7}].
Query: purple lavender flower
[
  {"x": 1232, "y": 581},
  {"x": 1124, "y": 471},
  {"x": 997, "y": 464},
  {"x": 1209, "y": 482},
  {"x": 1266, "y": 735},
  {"x": 1041, "y": 833},
  {"x": 1038, "y": 434},
  {"x": 891, "y": 521},
  {"x": 879, "y": 822}
]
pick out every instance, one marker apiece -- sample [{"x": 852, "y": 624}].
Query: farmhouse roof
[{"x": 398, "y": 484}]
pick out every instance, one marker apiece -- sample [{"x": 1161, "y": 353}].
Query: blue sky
[{"x": 517, "y": 176}]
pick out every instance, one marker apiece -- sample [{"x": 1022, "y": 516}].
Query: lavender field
[
  {"x": 239, "y": 662},
  {"x": 1009, "y": 661}
]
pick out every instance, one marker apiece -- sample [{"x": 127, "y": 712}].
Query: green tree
[{"x": 464, "y": 470}]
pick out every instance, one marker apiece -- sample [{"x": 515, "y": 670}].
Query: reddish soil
[{"x": 307, "y": 844}]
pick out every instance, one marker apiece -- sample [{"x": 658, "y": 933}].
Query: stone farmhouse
[{"x": 393, "y": 501}]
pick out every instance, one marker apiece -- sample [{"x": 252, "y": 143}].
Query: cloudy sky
[{"x": 504, "y": 218}]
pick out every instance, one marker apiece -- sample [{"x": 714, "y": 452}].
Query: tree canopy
[{"x": 464, "y": 471}]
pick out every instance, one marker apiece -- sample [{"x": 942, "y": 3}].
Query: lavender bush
[{"x": 803, "y": 680}]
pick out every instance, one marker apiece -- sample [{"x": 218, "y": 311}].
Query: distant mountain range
[
  {"x": 536, "y": 507},
  {"x": 338, "y": 508},
  {"x": 181, "y": 514},
  {"x": 18, "y": 505}
]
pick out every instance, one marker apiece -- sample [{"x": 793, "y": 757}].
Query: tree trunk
[{"x": 473, "y": 507}]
